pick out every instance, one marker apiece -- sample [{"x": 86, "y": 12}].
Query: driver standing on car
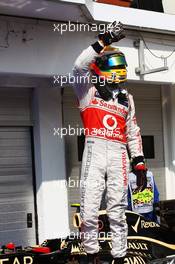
[{"x": 108, "y": 115}]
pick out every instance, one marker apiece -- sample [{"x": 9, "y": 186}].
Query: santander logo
[
  {"x": 110, "y": 122},
  {"x": 95, "y": 101}
]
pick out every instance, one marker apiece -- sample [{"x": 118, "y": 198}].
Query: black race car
[{"x": 148, "y": 242}]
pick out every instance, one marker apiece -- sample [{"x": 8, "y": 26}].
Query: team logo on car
[{"x": 110, "y": 122}]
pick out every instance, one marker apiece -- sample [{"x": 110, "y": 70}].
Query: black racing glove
[
  {"x": 114, "y": 33},
  {"x": 140, "y": 170}
]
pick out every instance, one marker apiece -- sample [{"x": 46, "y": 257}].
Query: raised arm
[{"x": 81, "y": 69}]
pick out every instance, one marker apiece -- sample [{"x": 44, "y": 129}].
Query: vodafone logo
[{"x": 110, "y": 122}]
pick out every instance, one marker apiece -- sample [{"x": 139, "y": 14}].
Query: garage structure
[
  {"x": 17, "y": 202},
  {"x": 32, "y": 170}
]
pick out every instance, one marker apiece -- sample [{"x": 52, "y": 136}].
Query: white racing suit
[{"x": 109, "y": 127}]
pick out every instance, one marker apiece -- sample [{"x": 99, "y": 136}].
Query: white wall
[
  {"x": 168, "y": 108},
  {"x": 168, "y": 6},
  {"x": 47, "y": 52},
  {"x": 52, "y": 204}
]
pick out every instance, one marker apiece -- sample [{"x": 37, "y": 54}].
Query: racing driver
[{"x": 108, "y": 115}]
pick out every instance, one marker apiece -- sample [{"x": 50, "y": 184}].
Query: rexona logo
[
  {"x": 144, "y": 224},
  {"x": 24, "y": 260}
]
